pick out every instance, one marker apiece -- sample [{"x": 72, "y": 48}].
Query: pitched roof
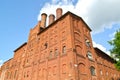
[
  {"x": 105, "y": 54},
  {"x": 67, "y": 13}
]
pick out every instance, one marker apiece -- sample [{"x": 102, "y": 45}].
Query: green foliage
[
  {"x": 117, "y": 65},
  {"x": 115, "y": 51}
]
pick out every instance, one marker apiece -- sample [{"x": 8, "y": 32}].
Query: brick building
[{"x": 61, "y": 51}]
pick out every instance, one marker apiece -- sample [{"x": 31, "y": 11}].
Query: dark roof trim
[
  {"x": 104, "y": 54},
  {"x": 67, "y": 13},
  {"x": 7, "y": 61},
  {"x": 20, "y": 46}
]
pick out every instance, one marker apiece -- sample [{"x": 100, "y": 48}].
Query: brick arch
[
  {"x": 78, "y": 49},
  {"x": 77, "y": 36},
  {"x": 77, "y": 33},
  {"x": 81, "y": 68}
]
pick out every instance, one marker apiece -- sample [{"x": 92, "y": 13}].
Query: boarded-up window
[
  {"x": 15, "y": 73},
  {"x": 49, "y": 71},
  {"x": 81, "y": 68},
  {"x": 78, "y": 50},
  {"x": 64, "y": 68},
  {"x": 54, "y": 70}
]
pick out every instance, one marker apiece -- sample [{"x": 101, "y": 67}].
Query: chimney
[
  {"x": 58, "y": 13},
  {"x": 39, "y": 25},
  {"x": 43, "y": 20},
  {"x": 51, "y": 18}
]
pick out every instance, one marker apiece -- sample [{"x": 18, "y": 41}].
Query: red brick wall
[
  {"x": 106, "y": 68},
  {"x": 59, "y": 52}
]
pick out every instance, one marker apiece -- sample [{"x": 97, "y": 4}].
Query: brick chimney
[
  {"x": 51, "y": 18},
  {"x": 58, "y": 13},
  {"x": 43, "y": 20},
  {"x": 38, "y": 26}
]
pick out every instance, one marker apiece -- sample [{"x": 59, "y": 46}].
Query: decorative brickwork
[{"x": 61, "y": 51}]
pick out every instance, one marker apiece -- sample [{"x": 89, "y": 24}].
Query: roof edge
[
  {"x": 61, "y": 18},
  {"x": 20, "y": 46},
  {"x": 96, "y": 48}
]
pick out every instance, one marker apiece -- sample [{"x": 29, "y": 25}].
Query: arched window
[
  {"x": 56, "y": 53},
  {"x": 15, "y": 73},
  {"x": 92, "y": 70},
  {"x": 78, "y": 49},
  {"x": 46, "y": 45},
  {"x": 40, "y": 73},
  {"x": 27, "y": 74},
  {"x": 50, "y": 55},
  {"x": 8, "y": 75},
  {"x": 87, "y": 42},
  {"x": 44, "y": 74},
  {"x": 89, "y": 55},
  {"x": 101, "y": 72},
  {"x": 107, "y": 73},
  {"x": 64, "y": 69},
  {"x": 64, "y": 49},
  {"x": 49, "y": 71},
  {"x": 54, "y": 70}
]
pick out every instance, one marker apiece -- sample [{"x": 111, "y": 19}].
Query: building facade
[{"x": 61, "y": 51}]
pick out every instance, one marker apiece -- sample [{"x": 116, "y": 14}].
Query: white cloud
[
  {"x": 112, "y": 35},
  {"x": 1, "y": 62},
  {"x": 99, "y": 14},
  {"x": 101, "y": 47},
  {"x": 103, "y": 14}
]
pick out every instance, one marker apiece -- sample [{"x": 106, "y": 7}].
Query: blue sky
[
  {"x": 16, "y": 19},
  {"x": 18, "y": 16}
]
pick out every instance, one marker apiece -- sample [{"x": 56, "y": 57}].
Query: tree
[{"x": 115, "y": 51}]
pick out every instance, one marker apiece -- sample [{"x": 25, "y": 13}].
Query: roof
[
  {"x": 8, "y": 60},
  {"x": 20, "y": 46},
  {"x": 105, "y": 54},
  {"x": 67, "y": 13}
]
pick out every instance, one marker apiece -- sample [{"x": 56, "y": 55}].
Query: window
[
  {"x": 79, "y": 50},
  {"x": 40, "y": 73},
  {"x": 27, "y": 61},
  {"x": 15, "y": 73},
  {"x": 8, "y": 75},
  {"x": 81, "y": 68},
  {"x": 92, "y": 70},
  {"x": 49, "y": 71},
  {"x": 114, "y": 75},
  {"x": 87, "y": 42},
  {"x": 44, "y": 73},
  {"x": 46, "y": 45},
  {"x": 56, "y": 53},
  {"x": 89, "y": 55},
  {"x": 54, "y": 70},
  {"x": 107, "y": 73},
  {"x": 27, "y": 74},
  {"x": 64, "y": 49},
  {"x": 101, "y": 72},
  {"x": 64, "y": 68},
  {"x": 24, "y": 74}
]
